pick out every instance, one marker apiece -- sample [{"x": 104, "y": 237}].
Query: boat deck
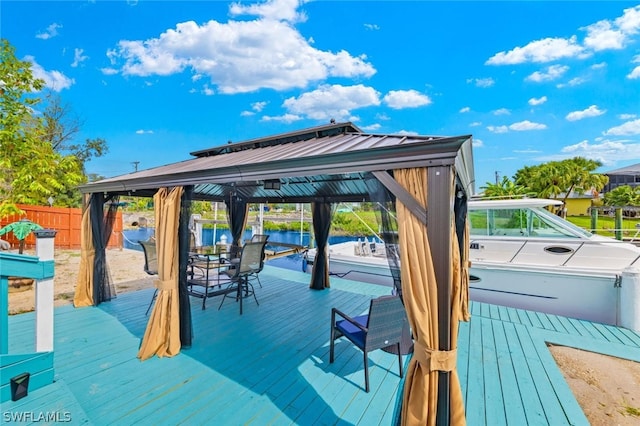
[{"x": 270, "y": 365}]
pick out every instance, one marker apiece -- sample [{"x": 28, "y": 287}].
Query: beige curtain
[
  {"x": 162, "y": 336},
  {"x": 420, "y": 293},
  {"x": 84, "y": 283}
]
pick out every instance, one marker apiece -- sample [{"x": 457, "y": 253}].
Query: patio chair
[
  {"x": 380, "y": 328},
  {"x": 150, "y": 264},
  {"x": 249, "y": 266},
  {"x": 206, "y": 277}
]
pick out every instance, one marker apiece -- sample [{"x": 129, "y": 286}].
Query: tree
[
  {"x": 550, "y": 180},
  {"x": 622, "y": 196},
  {"x": 30, "y": 169},
  {"x": 61, "y": 128},
  {"x": 505, "y": 188}
]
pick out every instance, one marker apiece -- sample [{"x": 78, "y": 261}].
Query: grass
[
  {"x": 606, "y": 225},
  {"x": 632, "y": 411}
]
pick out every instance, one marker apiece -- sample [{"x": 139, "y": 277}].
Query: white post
[
  {"x": 630, "y": 299},
  {"x": 44, "y": 293}
]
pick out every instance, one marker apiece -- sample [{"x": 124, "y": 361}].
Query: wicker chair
[
  {"x": 380, "y": 328},
  {"x": 150, "y": 264}
]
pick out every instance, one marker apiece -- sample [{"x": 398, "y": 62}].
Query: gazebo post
[{"x": 439, "y": 213}]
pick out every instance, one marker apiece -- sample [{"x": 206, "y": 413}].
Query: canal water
[{"x": 209, "y": 238}]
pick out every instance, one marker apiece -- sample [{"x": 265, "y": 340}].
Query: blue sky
[{"x": 531, "y": 81}]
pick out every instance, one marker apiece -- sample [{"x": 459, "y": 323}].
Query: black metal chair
[
  {"x": 380, "y": 328},
  {"x": 206, "y": 276},
  {"x": 150, "y": 264},
  {"x": 249, "y": 265}
]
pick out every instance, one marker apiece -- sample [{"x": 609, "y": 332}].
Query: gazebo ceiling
[{"x": 321, "y": 163}]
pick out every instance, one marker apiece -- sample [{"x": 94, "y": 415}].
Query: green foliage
[
  {"x": 551, "y": 179},
  {"x": 622, "y": 196},
  {"x": 505, "y": 188},
  {"x": 31, "y": 170}
]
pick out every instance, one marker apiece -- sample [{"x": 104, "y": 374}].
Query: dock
[{"x": 270, "y": 366}]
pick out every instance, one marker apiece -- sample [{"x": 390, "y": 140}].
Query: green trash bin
[{"x": 19, "y": 386}]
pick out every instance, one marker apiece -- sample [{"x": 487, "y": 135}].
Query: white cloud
[
  {"x": 475, "y": 124},
  {"x": 400, "y": 99},
  {"x": 407, "y": 133},
  {"x": 482, "y": 82},
  {"x": 634, "y": 74},
  {"x": 247, "y": 113},
  {"x": 599, "y": 66},
  {"x": 465, "y": 109},
  {"x": 277, "y": 10},
  {"x": 527, "y": 151},
  {"x": 286, "y": 118},
  {"x": 545, "y": 50},
  {"x": 521, "y": 126},
  {"x": 50, "y": 32},
  {"x": 54, "y": 80},
  {"x": 537, "y": 101},
  {"x": 241, "y": 56},
  {"x": 626, "y": 116},
  {"x": 109, "y": 71},
  {"x": 382, "y": 116},
  {"x": 552, "y": 72},
  {"x": 144, "y": 132},
  {"x": 207, "y": 91},
  {"x": 602, "y": 35},
  {"x": 576, "y": 81},
  {"x": 334, "y": 101},
  {"x": 498, "y": 129},
  {"x": 628, "y": 128},
  {"x": 606, "y": 151},
  {"x": 502, "y": 111},
  {"x": 78, "y": 57},
  {"x": 372, "y": 26},
  {"x": 526, "y": 125},
  {"x": 477, "y": 143},
  {"x": 258, "y": 106},
  {"x": 592, "y": 111},
  {"x": 371, "y": 128}
]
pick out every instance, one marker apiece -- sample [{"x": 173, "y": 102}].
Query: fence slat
[{"x": 64, "y": 220}]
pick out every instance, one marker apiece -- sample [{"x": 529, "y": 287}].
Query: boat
[{"x": 525, "y": 256}]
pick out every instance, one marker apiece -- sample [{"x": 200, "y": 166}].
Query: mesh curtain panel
[
  {"x": 322, "y": 214},
  {"x": 184, "y": 233},
  {"x": 94, "y": 284},
  {"x": 237, "y": 212},
  {"x": 385, "y": 205}
]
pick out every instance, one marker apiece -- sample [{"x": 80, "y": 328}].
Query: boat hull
[{"x": 590, "y": 296}]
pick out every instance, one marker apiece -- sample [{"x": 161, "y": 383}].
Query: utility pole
[
  {"x": 497, "y": 172},
  {"x": 135, "y": 165}
]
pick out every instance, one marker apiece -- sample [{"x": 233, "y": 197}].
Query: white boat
[{"x": 524, "y": 256}]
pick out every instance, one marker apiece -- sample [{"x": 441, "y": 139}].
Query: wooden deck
[{"x": 270, "y": 365}]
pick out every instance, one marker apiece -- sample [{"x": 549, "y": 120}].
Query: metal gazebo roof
[{"x": 320, "y": 163}]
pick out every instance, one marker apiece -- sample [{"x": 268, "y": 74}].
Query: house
[{"x": 629, "y": 175}]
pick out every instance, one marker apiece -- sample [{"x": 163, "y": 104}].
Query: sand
[{"x": 607, "y": 388}]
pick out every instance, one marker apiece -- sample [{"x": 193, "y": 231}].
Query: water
[{"x": 293, "y": 262}]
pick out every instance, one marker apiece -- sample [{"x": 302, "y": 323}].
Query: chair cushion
[{"x": 352, "y": 332}]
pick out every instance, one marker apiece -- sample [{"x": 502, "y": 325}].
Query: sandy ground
[{"x": 608, "y": 389}]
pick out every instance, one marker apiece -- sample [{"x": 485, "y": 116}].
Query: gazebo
[{"x": 427, "y": 178}]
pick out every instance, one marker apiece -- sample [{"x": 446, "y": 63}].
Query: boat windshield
[{"x": 522, "y": 222}]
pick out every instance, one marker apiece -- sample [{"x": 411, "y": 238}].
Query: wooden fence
[{"x": 66, "y": 221}]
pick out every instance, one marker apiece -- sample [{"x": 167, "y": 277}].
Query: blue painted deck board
[{"x": 270, "y": 365}]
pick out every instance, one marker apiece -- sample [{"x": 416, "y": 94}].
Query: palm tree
[
  {"x": 505, "y": 188},
  {"x": 21, "y": 229}
]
